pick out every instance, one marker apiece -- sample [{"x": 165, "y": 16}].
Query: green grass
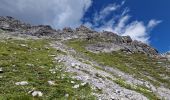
[
  {"x": 138, "y": 65},
  {"x": 30, "y": 60}
]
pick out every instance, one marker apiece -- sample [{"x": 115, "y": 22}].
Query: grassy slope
[
  {"x": 29, "y": 60},
  {"x": 138, "y": 65}
]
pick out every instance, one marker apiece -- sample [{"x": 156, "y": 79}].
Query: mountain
[{"x": 43, "y": 63}]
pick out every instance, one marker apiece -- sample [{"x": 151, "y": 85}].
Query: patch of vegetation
[
  {"x": 32, "y": 61},
  {"x": 141, "y": 89}
]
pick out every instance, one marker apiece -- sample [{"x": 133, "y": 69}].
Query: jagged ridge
[{"x": 107, "y": 41}]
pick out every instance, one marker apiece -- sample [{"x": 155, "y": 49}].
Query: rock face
[
  {"x": 168, "y": 55},
  {"x": 12, "y": 25},
  {"x": 106, "y": 41}
]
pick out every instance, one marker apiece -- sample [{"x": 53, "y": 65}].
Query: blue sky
[
  {"x": 144, "y": 20},
  {"x": 157, "y": 9}
]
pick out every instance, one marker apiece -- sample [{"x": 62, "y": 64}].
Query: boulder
[
  {"x": 127, "y": 39},
  {"x": 37, "y": 94}
]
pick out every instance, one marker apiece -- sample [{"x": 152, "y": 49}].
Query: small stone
[
  {"x": 59, "y": 60},
  {"x": 37, "y": 93},
  {"x": 78, "y": 64},
  {"x": 22, "y": 83},
  {"x": 52, "y": 55},
  {"x": 66, "y": 95},
  {"x": 23, "y": 45},
  {"x": 73, "y": 64},
  {"x": 83, "y": 83},
  {"x": 30, "y": 65},
  {"x": 1, "y": 70},
  {"x": 51, "y": 82},
  {"x": 76, "y": 86},
  {"x": 117, "y": 91},
  {"x": 72, "y": 82},
  {"x": 77, "y": 67}
]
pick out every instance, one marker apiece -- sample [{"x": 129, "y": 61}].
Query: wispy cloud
[
  {"x": 121, "y": 24},
  {"x": 119, "y": 28},
  {"x": 152, "y": 23}
]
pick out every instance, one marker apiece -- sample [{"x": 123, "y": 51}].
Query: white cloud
[
  {"x": 58, "y": 13},
  {"x": 121, "y": 24},
  {"x": 137, "y": 31},
  {"x": 152, "y": 23},
  {"x": 99, "y": 17}
]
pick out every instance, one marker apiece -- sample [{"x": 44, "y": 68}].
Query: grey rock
[
  {"x": 104, "y": 47},
  {"x": 22, "y": 83},
  {"x": 1, "y": 70},
  {"x": 168, "y": 55}
]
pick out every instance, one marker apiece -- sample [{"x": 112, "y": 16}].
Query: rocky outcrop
[
  {"x": 12, "y": 25},
  {"x": 41, "y": 30},
  {"x": 165, "y": 56}
]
